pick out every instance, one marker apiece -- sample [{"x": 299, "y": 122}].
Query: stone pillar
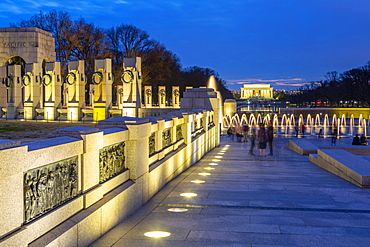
[
  {"x": 52, "y": 83},
  {"x": 162, "y": 97},
  {"x": 32, "y": 92},
  {"x": 3, "y": 91},
  {"x": 75, "y": 82},
  {"x": 138, "y": 149},
  {"x": 119, "y": 96},
  {"x": 103, "y": 80},
  {"x": 230, "y": 107},
  {"x": 131, "y": 80},
  {"x": 175, "y": 96},
  {"x": 14, "y": 88},
  {"x": 148, "y": 96}
]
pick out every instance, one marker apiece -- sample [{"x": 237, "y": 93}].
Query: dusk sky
[{"x": 284, "y": 43}]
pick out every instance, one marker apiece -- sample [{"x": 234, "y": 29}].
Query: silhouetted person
[
  {"x": 363, "y": 140},
  {"x": 270, "y": 137},
  {"x": 253, "y": 140},
  {"x": 262, "y": 140},
  {"x": 356, "y": 140},
  {"x": 334, "y": 136}
]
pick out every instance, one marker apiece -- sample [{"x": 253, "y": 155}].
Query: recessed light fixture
[
  {"x": 198, "y": 181},
  {"x": 178, "y": 210},
  {"x": 204, "y": 173},
  {"x": 213, "y": 164},
  {"x": 216, "y": 160},
  {"x": 218, "y": 157},
  {"x": 209, "y": 168},
  {"x": 188, "y": 194},
  {"x": 157, "y": 234}
]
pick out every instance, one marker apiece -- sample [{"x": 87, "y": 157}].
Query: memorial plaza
[{"x": 280, "y": 200}]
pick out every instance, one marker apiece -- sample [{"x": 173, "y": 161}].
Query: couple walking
[{"x": 263, "y": 137}]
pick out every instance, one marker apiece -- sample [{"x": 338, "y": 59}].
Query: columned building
[{"x": 256, "y": 90}]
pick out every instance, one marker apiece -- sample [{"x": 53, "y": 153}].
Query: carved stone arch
[{"x": 16, "y": 60}]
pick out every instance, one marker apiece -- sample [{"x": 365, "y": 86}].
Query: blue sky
[{"x": 284, "y": 43}]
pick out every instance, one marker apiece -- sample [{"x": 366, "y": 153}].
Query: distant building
[{"x": 256, "y": 91}]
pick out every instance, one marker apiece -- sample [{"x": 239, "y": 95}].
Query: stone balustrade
[{"x": 76, "y": 185}]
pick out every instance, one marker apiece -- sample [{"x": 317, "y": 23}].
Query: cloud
[{"x": 121, "y": 2}]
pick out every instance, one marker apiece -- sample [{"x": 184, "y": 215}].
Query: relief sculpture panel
[
  {"x": 111, "y": 161},
  {"x": 49, "y": 186}
]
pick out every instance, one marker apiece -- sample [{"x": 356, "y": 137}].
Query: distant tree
[
  {"x": 58, "y": 23},
  {"x": 198, "y": 77}
]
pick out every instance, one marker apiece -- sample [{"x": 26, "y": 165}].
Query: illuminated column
[
  {"x": 119, "y": 96},
  {"x": 102, "y": 78},
  {"x": 3, "y": 91},
  {"x": 148, "y": 94},
  {"x": 175, "y": 96},
  {"x": 32, "y": 91},
  {"x": 75, "y": 82},
  {"x": 131, "y": 80},
  {"x": 162, "y": 96},
  {"x": 52, "y": 90},
  {"x": 14, "y": 88}
]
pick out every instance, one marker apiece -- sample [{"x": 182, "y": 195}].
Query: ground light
[
  {"x": 221, "y": 153},
  {"x": 218, "y": 157},
  {"x": 204, "y": 173},
  {"x": 178, "y": 210},
  {"x": 157, "y": 234},
  {"x": 213, "y": 164},
  {"x": 209, "y": 168},
  {"x": 216, "y": 160},
  {"x": 188, "y": 194},
  {"x": 198, "y": 181}
]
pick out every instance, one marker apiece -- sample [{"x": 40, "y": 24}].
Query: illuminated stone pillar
[
  {"x": 102, "y": 80},
  {"x": 148, "y": 96},
  {"x": 162, "y": 97},
  {"x": 52, "y": 83},
  {"x": 119, "y": 96},
  {"x": 75, "y": 82},
  {"x": 131, "y": 81},
  {"x": 230, "y": 107},
  {"x": 14, "y": 90},
  {"x": 175, "y": 96},
  {"x": 32, "y": 92},
  {"x": 3, "y": 91}
]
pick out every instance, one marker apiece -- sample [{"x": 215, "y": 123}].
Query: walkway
[{"x": 280, "y": 200}]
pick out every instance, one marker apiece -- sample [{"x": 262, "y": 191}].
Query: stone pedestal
[
  {"x": 73, "y": 111},
  {"x": 29, "y": 110},
  {"x": 99, "y": 110}
]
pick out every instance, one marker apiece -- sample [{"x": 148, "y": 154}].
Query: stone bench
[
  {"x": 345, "y": 165},
  {"x": 302, "y": 147}
]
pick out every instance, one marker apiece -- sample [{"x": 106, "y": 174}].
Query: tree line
[
  {"x": 350, "y": 88},
  {"x": 80, "y": 40}
]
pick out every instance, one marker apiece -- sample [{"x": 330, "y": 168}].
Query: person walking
[
  {"x": 303, "y": 128},
  {"x": 334, "y": 136},
  {"x": 296, "y": 128},
  {"x": 270, "y": 137},
  {"x": 245, "y": 133},
  {"x": 253, "y": 140},
  {"x": 262, "y": 140}
]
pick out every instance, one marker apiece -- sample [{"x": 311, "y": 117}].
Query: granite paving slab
[{"x": 280, "y": 200}]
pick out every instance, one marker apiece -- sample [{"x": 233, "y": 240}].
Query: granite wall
[{"x": 73, "y": 187}]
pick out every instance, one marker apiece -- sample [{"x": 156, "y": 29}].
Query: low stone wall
[
  {"x": 345, "y": 165},
  {"x": 302, "y": 147},
  {"x": 72, "y": 188}
]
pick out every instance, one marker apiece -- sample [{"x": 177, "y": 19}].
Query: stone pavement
[{"x": 280, "y": 200}]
